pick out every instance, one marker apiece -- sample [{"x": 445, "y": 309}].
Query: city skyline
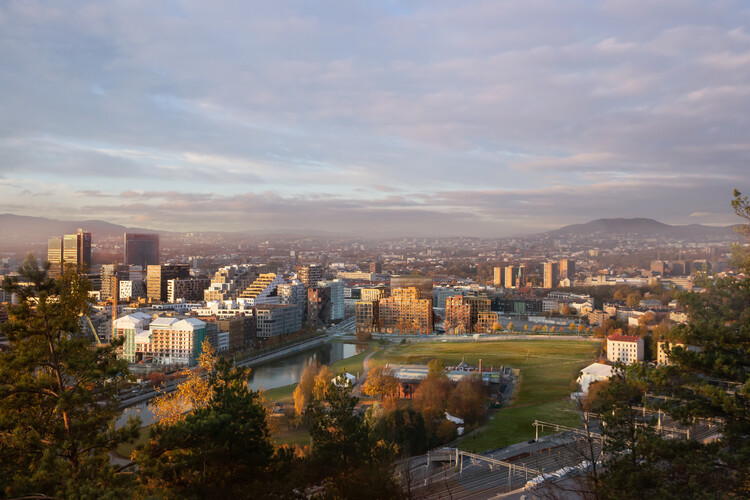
[{"x": 425, "y": 118}]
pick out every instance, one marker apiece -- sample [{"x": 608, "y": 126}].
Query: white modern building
[{"x": 166, "y": 340}]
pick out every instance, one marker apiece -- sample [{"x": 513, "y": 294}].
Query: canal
[{"x": 273, "y": 374}]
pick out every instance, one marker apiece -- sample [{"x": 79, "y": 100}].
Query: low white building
[
  {"x": 626, "y": 349},
  {"x": 595, "y": 372}
]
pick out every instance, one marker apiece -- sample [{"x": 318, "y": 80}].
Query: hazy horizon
[{"x": 431, "y": 119}]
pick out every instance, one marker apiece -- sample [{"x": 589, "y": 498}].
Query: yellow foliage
[{"x": 193, "y": 393}]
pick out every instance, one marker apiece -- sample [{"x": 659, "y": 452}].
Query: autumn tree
[
  {"x": 193, "y": 393},
  {"x": 380, "y": 382},
  {"x": 58, "y": 394},
  {"x": 322, "y": 381},
  {"x": 305, "y": 387},
  {"x": 468, "y": 400},
  {"x": 404, "y": 427},
  {"x": 435, "y": 368},
  {"x": 633, "y": 300}
]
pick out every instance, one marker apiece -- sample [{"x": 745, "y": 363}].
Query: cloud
[{"x": 282, "y": 104}]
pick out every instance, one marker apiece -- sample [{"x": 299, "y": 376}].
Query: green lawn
[
  {"x": 547, "y": 367},
  {"x": 513, "y": 425},
  {"x": 282, "y": 393},
  {"x": 353, "y": 364}
]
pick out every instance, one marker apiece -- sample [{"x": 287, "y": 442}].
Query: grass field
[
  {"x": 546, "y": 366},
  {"x": 353, "y": 364}
]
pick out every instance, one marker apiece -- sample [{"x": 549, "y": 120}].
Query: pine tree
[
  {"x": 58, "y": 394},
  {"x": 220, "y": 450}
]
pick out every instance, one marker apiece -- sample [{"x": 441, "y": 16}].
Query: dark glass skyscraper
[{"x": 141, "y": 249}]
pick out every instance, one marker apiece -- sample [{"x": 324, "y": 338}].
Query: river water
[{"x": 273, "y": 374}]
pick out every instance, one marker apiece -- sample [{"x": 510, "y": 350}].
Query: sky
[{"x": 374, "y": 118}]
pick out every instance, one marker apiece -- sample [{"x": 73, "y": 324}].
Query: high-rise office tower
[
  {"x": 511, "y": 277},
  {"x": 567, "y": 269},
  {"x": 498, "y": 277},
  {"x": 551, "y": 274},
  {"x": 54, "y": 256},
  {"x": 141, "y": 249},
  {"x": 158, "y": 275},
  {"x": 71, "y": 250},
  {"x": 376, "y": 267}
]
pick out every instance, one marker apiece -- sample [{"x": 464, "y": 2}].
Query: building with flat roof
[
  {"x": 158, "y": 276},
  {"x": 405, "y": 311},
  {"x": 274, "y": 320},
  {"x": 366, "y": 316},
  {"x": 498, "y": 277},
  {"x": 310, "y": 275},
  {"x": 462, "y": 312},
  {"x": 422, "y": 283},
  {"x": 190, "y": 289},
  {"x": 626, "y": 349},
  {"x": 511, "y": 277},
  {"x": 164, "y": 340},
  {"x": 72, "y": 250},
  {"x": 551, "y": 274}
]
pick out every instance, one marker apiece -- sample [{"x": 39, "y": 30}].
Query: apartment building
[
  {"x": 551, "y": 274},
  {"x": 462, "y": 312},
  {"x": 405, "y": 311},
  {"x": 310, "y": 275},
  {"x": 229, "y": 281},
  {"x": 486, "y": 321},
  {"x": 190, "y": 289},
  {"x": 366, "y": 316},
  {"x": 264, "y": 290},
  {"x": 274, "y": 320},
  {"x": 167, "y": 340},
  {"x": 626, "y": 349}
]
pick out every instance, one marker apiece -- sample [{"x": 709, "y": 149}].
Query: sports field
[{"x": 546, "y": 366}]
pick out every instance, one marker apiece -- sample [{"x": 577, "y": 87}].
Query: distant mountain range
[
  {"x": 642, "y": 228},
  {"x": 19, "y": 229},
  {"x": 16, "y": 228}
]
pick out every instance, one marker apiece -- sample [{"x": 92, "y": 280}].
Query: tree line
[{"x": 59, "y": 403}]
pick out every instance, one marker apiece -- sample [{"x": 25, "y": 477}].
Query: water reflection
[
  {"x": 289, "y": 370},
  {"x": 277, "y": 373}
]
